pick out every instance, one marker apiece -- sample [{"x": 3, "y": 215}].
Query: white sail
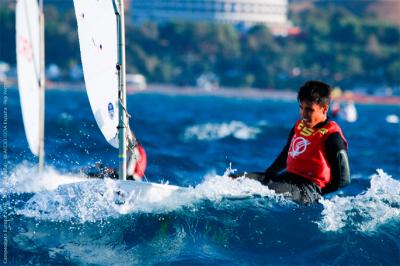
[
  {"x": 97, "y": 32},
  {"x": 28, "y": 67}
]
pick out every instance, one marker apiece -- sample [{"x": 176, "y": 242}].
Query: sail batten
[{"x": 97, "y": 32}]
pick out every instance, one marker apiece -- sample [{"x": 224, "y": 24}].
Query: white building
[{"x": 272, "y": 13}]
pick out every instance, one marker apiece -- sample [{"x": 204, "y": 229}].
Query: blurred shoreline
[{"x": 250, "y": 93}]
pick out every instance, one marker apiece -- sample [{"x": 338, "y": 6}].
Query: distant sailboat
[
  {"x": 30, "y": 68},
  {"x": 102, "y": 44},
  {"x": 349, "y": 112}
]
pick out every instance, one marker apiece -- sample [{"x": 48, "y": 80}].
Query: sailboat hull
[{"x": 152, "y": 192}]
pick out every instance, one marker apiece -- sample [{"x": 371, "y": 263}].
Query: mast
[
  {"x": 123, "y": 121},
  {"x": 41, "y": 87}
]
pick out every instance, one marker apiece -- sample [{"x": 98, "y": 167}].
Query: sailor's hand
[{"x": 132, "y": 144}]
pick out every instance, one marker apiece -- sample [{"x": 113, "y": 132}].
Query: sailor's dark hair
[{"x": 315, "y": 91}]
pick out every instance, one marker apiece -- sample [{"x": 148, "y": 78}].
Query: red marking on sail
[{"x": 26, "y": 49}]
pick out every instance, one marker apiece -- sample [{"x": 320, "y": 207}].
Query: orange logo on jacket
[{"x": 305, "y": 131}]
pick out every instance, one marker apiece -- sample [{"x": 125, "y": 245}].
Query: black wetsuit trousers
[{"x": 294, "y": 187}]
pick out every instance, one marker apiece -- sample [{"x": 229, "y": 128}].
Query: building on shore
[{"x": 242, "y": 13}]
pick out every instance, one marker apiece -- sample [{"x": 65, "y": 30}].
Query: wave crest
[
  {"x": 210, "y": 131},
  {"x": 365, "y": 212},
  {"x": 24, "y": 178},
  {"x": 99, "y": 199}
]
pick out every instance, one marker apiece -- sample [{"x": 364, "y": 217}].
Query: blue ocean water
[{"x": 191, "y": 141}]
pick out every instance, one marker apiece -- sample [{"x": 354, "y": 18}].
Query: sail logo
[
  {"x": 298, "y": 146},
  {"x": 111, "y": 110},
  {"x": 25, "y": 49}
]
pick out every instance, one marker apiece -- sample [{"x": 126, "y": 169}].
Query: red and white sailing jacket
[{"x": 307, "y": 153}]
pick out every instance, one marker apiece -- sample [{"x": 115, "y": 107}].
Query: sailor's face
[{"x": 312, "y": 113}]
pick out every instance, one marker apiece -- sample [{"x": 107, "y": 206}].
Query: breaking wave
[
  {"x": 70, "y": 197},
  {"x": 215, "y": 131},
  {"x": 25, "y": 178},
  {"x": 367, "y": 211},
  {"x": 98, "y": 199}
]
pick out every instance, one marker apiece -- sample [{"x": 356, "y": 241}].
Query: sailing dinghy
[
  {"x": 30, "y": 68},
  {"x": 102, "y": 44}
]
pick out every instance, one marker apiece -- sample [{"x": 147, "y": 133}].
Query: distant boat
[
  {"x": 30, "y": 69},
  {"x": 348, "y": 112},
  {"x": 207, "y": 81},
  {"x": 135, "y": 82},
  {"x": 392, "y": 119}
]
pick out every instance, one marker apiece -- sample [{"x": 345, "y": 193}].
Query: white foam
[
  {"x": 95, "y": 200},
  {"x": 24, "y": 178},
  {"x": 367, "y": 211},
  {"x": 216, "y": 188},
  {"x": 392, "y": 119},
  {"x": 214, "y": 131}
]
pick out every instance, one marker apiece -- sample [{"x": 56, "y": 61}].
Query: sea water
[{"x": 194, "y": 141}]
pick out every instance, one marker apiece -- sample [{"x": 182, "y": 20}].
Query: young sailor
[
  {"x": 136, "y": 163},
  {"x": 314, "y": 160}
]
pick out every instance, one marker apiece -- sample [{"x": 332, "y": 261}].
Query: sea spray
[
  {"x": 364, "y": 212},
  {"x": 24, "y": 178},
  {"x": 97, "y": 199}
]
